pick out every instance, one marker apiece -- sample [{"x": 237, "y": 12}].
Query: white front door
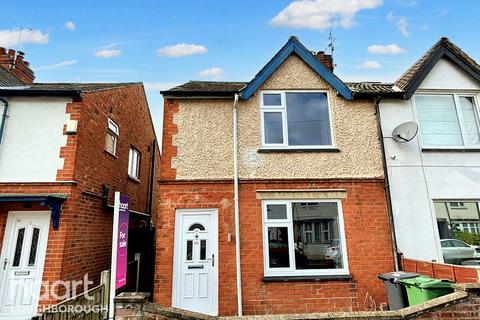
[
  {"x": 22, "y": 260},
  {"x": 195, "y": 276}
]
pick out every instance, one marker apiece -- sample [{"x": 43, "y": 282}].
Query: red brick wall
[
  {"x": 169, "y": 151},
  {"x": 88, "y": 243},
  {"x": 460, "y": 274},
  {"x": 368, "y": 246}
]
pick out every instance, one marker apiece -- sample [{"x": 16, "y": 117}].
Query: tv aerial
[{"x": 405, "y": 132}]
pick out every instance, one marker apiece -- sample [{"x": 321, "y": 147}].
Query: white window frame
[
  {"x": 288, "y": 223},
  {"x": 458, "y": 108},
  {"x": 283, "y": 109},
  {"x": 112, "y": 128},
  {"x": 131, "y": 174}
]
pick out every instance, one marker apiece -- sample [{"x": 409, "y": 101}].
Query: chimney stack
[
  {"x": 325, "y": 59},
  {"x": 14, "y": 62}
]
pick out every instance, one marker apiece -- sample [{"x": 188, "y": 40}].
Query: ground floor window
[
  {"x": 459, "y": 231},
  {"x": 304, "y": 238}
]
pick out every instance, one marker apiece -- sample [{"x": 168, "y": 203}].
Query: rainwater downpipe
[
  {"x": 237, "y": 214},
  {"x": 4, "y": 116},
  {"x": 387, "y": 187}
]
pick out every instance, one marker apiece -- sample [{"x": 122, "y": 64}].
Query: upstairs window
[
  {"x": 134, "y": 163},
  {"x": 295, "y": 119},
  {"x": 448, "y": 120},
  {"x": 112, "y": 137}
]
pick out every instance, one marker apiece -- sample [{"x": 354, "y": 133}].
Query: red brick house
[
  {"x": 272, "y": 194},
  {"x": 64, "y": 149}
]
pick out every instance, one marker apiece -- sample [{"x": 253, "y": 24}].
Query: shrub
[{"x": 470, "y": 238}]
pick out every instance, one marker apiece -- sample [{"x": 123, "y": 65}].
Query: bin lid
[
  {"x": 396, "y": 276},
  {"x": 428, "y": 283}
]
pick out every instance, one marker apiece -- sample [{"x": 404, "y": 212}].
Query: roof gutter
[
  {"x": 4, "y": 117},
  {"x": 388, "y": 195},
  {"x": 237, "y": 213}
]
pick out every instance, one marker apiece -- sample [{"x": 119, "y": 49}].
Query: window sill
[
  {"x": 134, "y": 179},
  {"x": 293, "y": 150},
  {"x": 424, "y": 149},
  {"x": 307, "y": 278},
  {"x": 110, "y": 154}
]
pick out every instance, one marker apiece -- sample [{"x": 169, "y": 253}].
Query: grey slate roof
[
  {"x": 207, "y": 87},
  {"x": 74, "y": 90},
  {"x": 229, "y": 88},
  {"x": 8, "y": 80},
  {"x": 439, "y": 48},
  {"x": 83, "y": 87}
]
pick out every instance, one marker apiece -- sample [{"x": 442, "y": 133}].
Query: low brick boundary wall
[
  {"x": 464, "y": 303},
  {"x": 459, "y": 274}
]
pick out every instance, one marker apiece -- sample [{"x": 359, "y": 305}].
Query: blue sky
[{"x": 163, "y": 43}]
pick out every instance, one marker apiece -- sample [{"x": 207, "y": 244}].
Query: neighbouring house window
[
  {"x": 457, "y": 216},
  {"x": 112, "y": 137},
  {"x": 134, "y": 163},
  {"x": 303, "y": 238},
  {"x": 457, "y": 205},
  {"x": 448, "y": 120},
  {"x": 295, "y": 119}
]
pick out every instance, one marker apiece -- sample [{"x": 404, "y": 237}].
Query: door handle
[
  {"x": 213, "y": 260},
  {"x": 5, "y": 264}
]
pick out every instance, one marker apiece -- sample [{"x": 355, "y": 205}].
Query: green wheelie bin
[{"x": 423, "y": 288}]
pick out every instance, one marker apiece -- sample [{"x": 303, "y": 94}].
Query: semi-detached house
[
  {"x": 64, "y": 149},
  {"x": 435, "y": 178},
  {"x": 271, "y": 196}
]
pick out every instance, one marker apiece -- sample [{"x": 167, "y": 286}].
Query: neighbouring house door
[
  {"x": 22, "y": 260},
  {"x": 195, "y": 276}
]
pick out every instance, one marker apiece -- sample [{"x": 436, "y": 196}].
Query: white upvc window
[
  {"x": 295, "y": 119},
  {"x": 448, "y": 120},
  {"x": 111, "y": 137},
  {"x": 134, "y": 163},
  {"x": 304, "y": 237}
]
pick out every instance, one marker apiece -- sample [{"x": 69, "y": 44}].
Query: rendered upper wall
[
  {"x": 447, "y": 75},
  {"x": 204, "y": 141},
  {"x": 30, "y": 149}
]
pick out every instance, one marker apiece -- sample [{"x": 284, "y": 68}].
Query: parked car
[{"x": 454, "y": 251}]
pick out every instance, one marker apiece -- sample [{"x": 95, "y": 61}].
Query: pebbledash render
[
  {"x": 65, "y": 148},
  {"x": 314, "y": 228}
]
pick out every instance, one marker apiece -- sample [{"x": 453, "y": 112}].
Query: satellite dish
[{"x": 405, "y": 132}]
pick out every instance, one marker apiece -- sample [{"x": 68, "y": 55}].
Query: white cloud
[
  {"x": 13, "y": 37},
  {"x": 213, "y": 73},
  {"x": 108, "y": 53},
  {"x": 400, "y": 22},
  {"x": 70, "y": 25},
  {"x": 386, "y": 49},
  {"x": 442, "y": 13},
  {"x": 181, "y": 50},
  {"x": 57, "y": 65},
  {"x": 370, "y": 64},
  {"x": 407, "y": 2},
  {"x": 159, "y": 86},
  {"x": 322, "y": 14}
]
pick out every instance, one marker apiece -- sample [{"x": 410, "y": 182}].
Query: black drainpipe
[
  {"x": 152, "y": 182},
  {"x": 4, "y": 116},
  {"x": 396, "y": 255}
]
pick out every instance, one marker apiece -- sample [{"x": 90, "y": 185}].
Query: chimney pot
[
  {"x": 325, "y": 59},
  {"x": 14, "y": 62}
]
